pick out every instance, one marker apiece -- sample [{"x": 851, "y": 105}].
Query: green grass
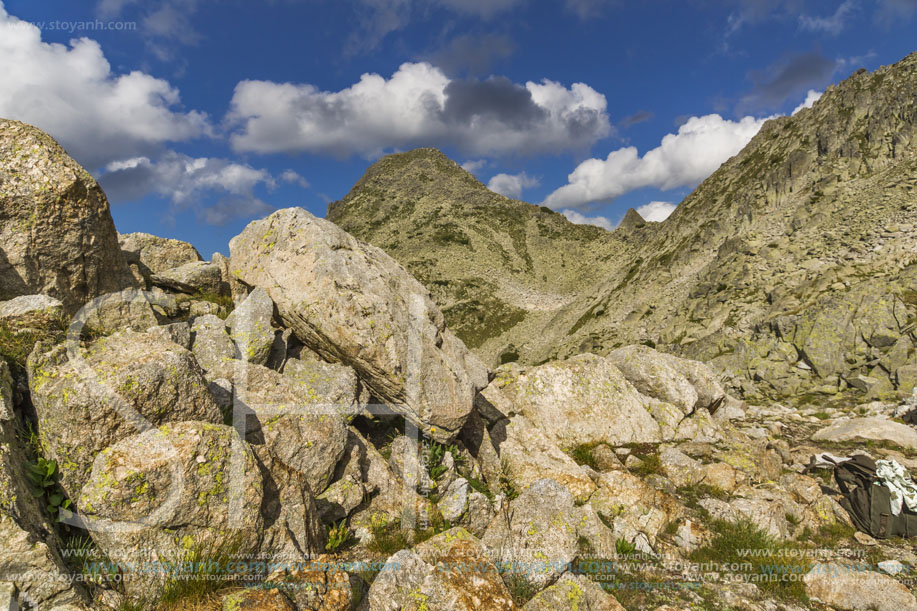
[
  {"x": 207, "y": 576},
  {"x": 649, "y": 465},
  {"x": 16, "y": 344},
  {"x": 388, "y": 536},
  {"x": 339, "y": 535},
  {"x": 769, "y": 557},
  {"x": 520, "y": 588},
  {"x": 582, "y": 455}
]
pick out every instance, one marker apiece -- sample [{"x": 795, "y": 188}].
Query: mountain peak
[{"x": 632, "y": 220}]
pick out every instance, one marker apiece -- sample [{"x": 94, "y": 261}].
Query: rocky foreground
[{"x": 295, "y": 427}]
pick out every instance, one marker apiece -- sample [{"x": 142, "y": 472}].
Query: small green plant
[
  {"x": 202, "y": 571},
  {"x": 480, "y": 486},
  {"x": 520, "y": 588},
  {"x": 388, "y": 536},
  {"x": 338, "y": 535},
  {"x": 582, "y": 455},
  {"x": 623, "y": 547},
  {"x": 435, "y": 454},
  {"x": 42, "y": 476},
  {"x": 506, "y": 481},
  {"x": 649, "y": 464}
]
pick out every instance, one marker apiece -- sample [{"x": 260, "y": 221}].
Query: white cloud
[
  {"x": 580, "y": 219},
  {"x": 473, "y": 166},
  {"x": 701, "y": 145},
  {"x": 480, "y": 8},
  {"x": 656, "y": 212},
  {"x": 511, "y": 185},
  {"x": 295, "y": 178},
  {"x": 811, "y": 97},
  {"x": 418, "y": 106},
  {"x": 833, "y": 24},
  {"x": 187, "y": 180},
  {"x": 72, "y": 93}
]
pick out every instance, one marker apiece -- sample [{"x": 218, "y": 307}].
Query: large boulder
[
  {"x": 539, "y": 532},
  {"x": 869, "y": 429},
  {"x": 582, "y": 400},
  {"x": 852, "y": 587},
  {"x": 250, "y": 327},
  {"x": 116, "y": 387},
  {"x": 450, "y": 572},
  {"x": 31, "y": 311},
  {"x": 153, "y": 254},
  {"x": 573, "y": 592},
  {"x": 57, "y": 236},
  {"x": 301, "y": 428},
  {"x": 352, "y": 303},
  {"x": 184, "y": 491},
  {"x": 194, "y": 277}
]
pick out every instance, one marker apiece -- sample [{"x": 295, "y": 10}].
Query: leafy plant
[
  {"x": 582, "y": 455},
  {"x": 388, "y": 536},
  {"x": 520, "y": 588},
  {"x": 42, "y": 476},
  {"x": 338, "y": 535},
  {"x": 623, "y": 547}
]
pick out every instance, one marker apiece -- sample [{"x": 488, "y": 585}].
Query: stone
[
  {"x": 154, "y": 254},
  {"x": 454, "y": 501},
  {"x": 324, "y": 584},
  {"x": 177, "y": 332},
  {"x": 116, "y": 387},
  {"x": 211, "y": 344},
  {"x": 864, "y": 539},
  {"x": 293, "y": 530},
  {"x": 637, "y": 510},
  {"x": 449, "y": 572},
  {"x": 347, "y": 490},
  {"x": 869, "y": 429},
  {"x": 336, "y": 384},
  {"x": 539, "y": 531},
  {"x": 185, "y": 488},
  {"x": 856, "y": 587},
  {"x": 528, "y": 455},
  {"x": 258, "y": 599},
  {"x": 407, "y": 464},
  {"x": 31, "y": 311},
  {"x": 195, "y": 277},
  {"x": 573, "y": 592},
  {"x": 250, "y": 327},
  {"x": 297, "y": 425},
  {"x": 653, "y": 375},
  {"x": 117, "y": 311},
  {"x": 891, "y": 567},
  {"x": 352, "y": 303},
  {"x": 583, "y": 400},
  {"x": 57, "y": 234},
  {"x": 906, "y": 378},
  {"x": 680, "y": 468}
]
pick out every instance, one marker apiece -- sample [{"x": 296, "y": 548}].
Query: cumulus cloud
[
  {"x": 787, "y": 79},
  {"x": 580, "y": 219},
  {"x": 811, "y": 97},
  {"x": 656, "y": 212},
  {"x": 473, "y": 165},
  {"x": 418, "y": 106},
  {"x": 701, "y": 145},
  {"x": 72, "y": 93},
  {"x": 833, "y": 24},
  {"x": 511, "y": 185},
  {"x": 187, "y": 180}
]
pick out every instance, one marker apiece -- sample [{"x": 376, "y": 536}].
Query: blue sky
[{"x": 198, "y": 116}]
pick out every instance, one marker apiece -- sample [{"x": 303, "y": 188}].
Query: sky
[{"x": 198, "y": 116}]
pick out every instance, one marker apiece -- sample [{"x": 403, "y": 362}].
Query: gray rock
[
  {"x": 177, "y": 332},
  {"x": 573, "y": 592},
  {"x": 406, "y": 463},
  {"x": 250, "y": 327},
  {"x": 299, "y": 427},
  {"x": 449, "y": 572},
  {"x": 348, "y": 490},
  {"x": 31, "y": 311},
  {"x": 57, "y": 234},
  {"x": 539, "y": 531},
  {"x": 352, "y": 303},
  {"x": 454, "y": 502},
  {"x": 851, "y": 587},
  {"x": 870, "y": 429},
  {"x": 156, "y": 254},
  {"x": 653, "y": 375},
  {"x": 116, "y": 387},
  {"x": 211, "y": 344},
  {"x": 582, "y": 400},
  {"x": 194, "y": 277},
  {"x": 183, "y": 489},
  {"x": 335, "y": 384}
]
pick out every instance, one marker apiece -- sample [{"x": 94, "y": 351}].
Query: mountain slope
[
  {"x": 499, "y": 268},
  {"x": 793, "y": 268}
]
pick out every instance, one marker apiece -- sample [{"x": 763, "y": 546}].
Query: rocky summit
[{"x": 439, "y": 398}]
